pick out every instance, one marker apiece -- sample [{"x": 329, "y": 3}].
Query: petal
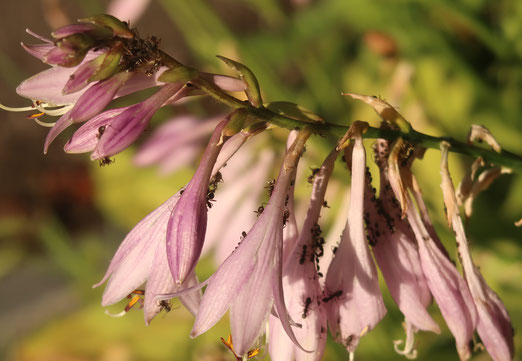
[
  {"x": 130, "y": 266},
  {"x": 87, "y": 136},
  {"x": 352, "y": 275},
  {"x": 125, "y": 128},
  {"x": 447, "y": 286},
  {"x": 96, "y": 97},
  {"x": 47, "y": 86},
  {"x": 63, "y": 123},
  {"x": 398, "y": 257},
  {"x": 494, "y": 326},
  {"x": 38, "y": 50},
  {"x": 187, "y": 225}
]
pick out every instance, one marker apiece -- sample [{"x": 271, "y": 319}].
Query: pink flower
[
  {"x": 303, "y": 292},
  {"x": 249, "y": 280},
  {"x": 188, "y": 222},
  {"x": 446, "y": 284},
  {"x": 494, "y": 326},
  {"x": 353, "y": 299},
  {"x": 141, "y": 258}
]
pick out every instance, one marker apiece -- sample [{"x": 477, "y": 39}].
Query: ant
[
  {"x": 259, "y": 210},
  {"x": 314, "y": 172},
  {"x": 210, "y": 199},
  {"x": 308, "y": 302},
  {"x": 336, "y": 294},
  {"x": 243, "y": 235},
  {"x": 286, "y": 215},
  {"x": 106, "y": 161},
  {"x": 101, "y": 130},
  {"x": 165, "y": 305},
  {"x": 270, "y": 187},
  {"x": 303, "y": 255}
]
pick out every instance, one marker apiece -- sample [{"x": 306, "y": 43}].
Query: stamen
[
  {"x": 132, "y": 302},
  {"x": 44, "y": 124},
  {"x": 409, "y": 351},
  {"x": 56, "y": 109},
  {"x": 137, "y": 298},
  {"x": 20, "y": 109},
  {"x": 36, "y": 115}
]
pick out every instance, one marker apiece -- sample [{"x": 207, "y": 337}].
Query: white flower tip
[{"x": 121, "y": 314}]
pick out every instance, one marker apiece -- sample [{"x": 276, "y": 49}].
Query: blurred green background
[{"x": 444, "y": 64}]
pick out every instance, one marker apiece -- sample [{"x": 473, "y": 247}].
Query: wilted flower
[{"x": 494, "y": 326}]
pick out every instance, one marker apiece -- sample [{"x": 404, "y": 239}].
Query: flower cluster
[{"x": 272, "y": 279}]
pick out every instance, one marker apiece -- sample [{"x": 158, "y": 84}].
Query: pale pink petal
[
  {"x": 494, "y": 326},
  {"x": 352, "y": 275},
  {"x": 188, "y": 222}
]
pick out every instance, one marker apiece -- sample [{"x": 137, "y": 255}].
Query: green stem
[{"x": 503, "y": 158}]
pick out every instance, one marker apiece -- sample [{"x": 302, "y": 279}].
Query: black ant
[
  {"x": 259, "y": 210},
  {"x": 314, "y": 172},
  {"x": 270, "y": 187},
  {"x": 101, "y": 130},
  {"x": 210, "y": 199},
  {"x": 106, "y": 161},
  {"x": 336, "y": 294},
  {"x": 286, "y": 215},
  {"x": 303, "y": 255},
  {"x": 308, "y": 302},
  {"x": 243, "y": 235},
  {"x": 325, "y": 204},
  {"x": 165, "y": 305}
]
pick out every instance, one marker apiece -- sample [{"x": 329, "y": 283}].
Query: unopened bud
[
  {"x": 180, "y": 74},
  {"x": 118, "y": 27}
]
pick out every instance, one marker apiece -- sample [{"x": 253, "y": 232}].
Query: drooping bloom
[
  {"x": 353, "y": 299},
  {"x": 397, "y": 256},
  {"x": 142, "y": 257},
  {"x": 188, "y": 222},
  {"x": 303, "y": 293},
  {"x": 249, "y": 280},
  {"x": 494, "y": 326},
  {"x": 446, "y": 284}
]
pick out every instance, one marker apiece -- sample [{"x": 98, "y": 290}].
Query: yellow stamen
[
  {"x": 37, "y": 115},
  {"x": 253, "y": 353},
  {"x": 132, "y": 302}
]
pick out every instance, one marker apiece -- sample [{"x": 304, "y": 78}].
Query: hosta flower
[
  {"x": 446, "y": 284},
  {"x": 353, "y": 299},
  {"x": 188, "y": 222},
  {"x": 142, "y": 257},
  {"x": 249, "y": 280},
  {"x": 397, "y": 256},
  {"x": 303, "y": 293},
  {"x": 494, "y": 326}
]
